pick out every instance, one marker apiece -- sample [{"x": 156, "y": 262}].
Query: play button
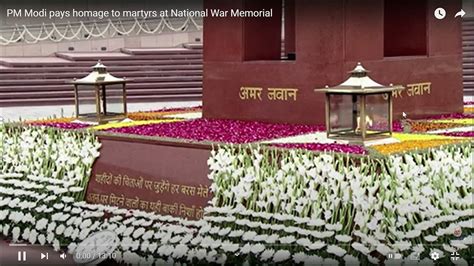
[{"x": 44, "y": 256}]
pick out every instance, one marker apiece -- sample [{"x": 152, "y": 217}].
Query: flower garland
[{"x": 86, "y": 30}]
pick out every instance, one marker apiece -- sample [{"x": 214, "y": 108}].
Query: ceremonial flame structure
[{"x": 352, "y": 107}]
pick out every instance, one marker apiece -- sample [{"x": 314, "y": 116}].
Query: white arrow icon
[
  {"x": 460, "y": 14},
  {"x": 43, "y": 256}
]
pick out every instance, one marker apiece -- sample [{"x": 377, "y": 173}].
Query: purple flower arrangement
[
  {"x": 228, "y": 131},
  {"x": 344, "y": 148}
]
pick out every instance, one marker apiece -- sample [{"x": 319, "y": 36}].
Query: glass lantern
[
  {"x": 359, "y": 109},
  {"x": 100, "y": 97}
]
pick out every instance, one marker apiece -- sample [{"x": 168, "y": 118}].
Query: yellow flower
[
  {"x": 156, "y": 115},
  {"x": 464, "y": 121},
  {"x": 409, "y": 137},
  {"x": 52, "y": 120},
  {"x": 413, "y": 145},
  {"x": 468, "y": 109},
  {"x": 133, "y": 123}
]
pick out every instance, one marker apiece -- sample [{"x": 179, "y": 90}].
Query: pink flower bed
[
  {"x": 228, "y": 131},
  {"x": 397, "y": 126},
  {"x": 451, "y": 116},
  {"x": 344, "y": 148},
  {"x": 466, "y": 134}
]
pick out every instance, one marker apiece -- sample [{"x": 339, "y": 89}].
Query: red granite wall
[
  {"x": 331, "y": 36},
  {"x": 136, "y": 173}
]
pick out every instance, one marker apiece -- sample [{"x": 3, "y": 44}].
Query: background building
[{"x": 109, "y": 42}]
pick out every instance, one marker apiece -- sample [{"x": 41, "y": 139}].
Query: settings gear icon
[{"x": 434, "y": 255}]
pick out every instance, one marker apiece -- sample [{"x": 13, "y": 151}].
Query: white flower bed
[
  {"x": 269, "y": 206},
  {"x": 399, "y": 204},
  {"x": 36, "y": 210},
  {"x": 39, "y": 210},
  {"x": 42, "y": 151}
]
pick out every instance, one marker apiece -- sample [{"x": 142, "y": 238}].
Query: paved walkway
[{"x": 36, "y": 112}]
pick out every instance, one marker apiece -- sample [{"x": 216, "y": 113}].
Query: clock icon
[
  {"x": 440, "y": 13},
  {"x": 96, "y": 248}
]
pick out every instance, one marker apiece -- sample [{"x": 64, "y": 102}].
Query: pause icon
[{"x": 21, "y": 255}]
